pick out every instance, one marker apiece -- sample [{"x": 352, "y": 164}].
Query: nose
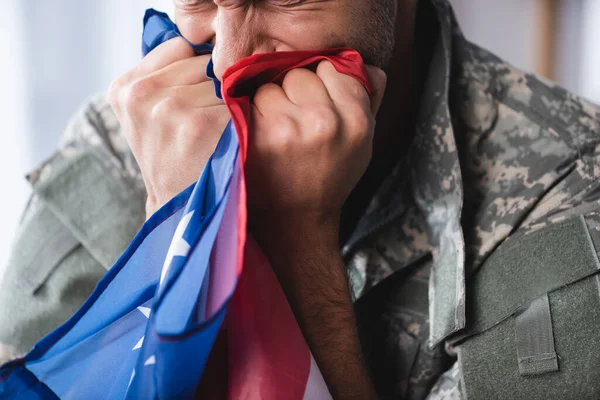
[{"x": 237, "y": 35}]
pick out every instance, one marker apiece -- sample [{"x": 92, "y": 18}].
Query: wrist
[
  {"x": 306, "y": 259},
  {"x": 289, "y": 239}
]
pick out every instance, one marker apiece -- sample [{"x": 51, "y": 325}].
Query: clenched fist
[
  {"x": 171, "y": 118},
  {"x": 311, "y": 142}
]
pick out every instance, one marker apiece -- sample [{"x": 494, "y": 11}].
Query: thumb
[{"x": 377, "y": 80}]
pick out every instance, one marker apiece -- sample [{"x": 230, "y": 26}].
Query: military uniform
[
  {"x": 88, "y": 202},
  {"x": 475, "y": 269}
]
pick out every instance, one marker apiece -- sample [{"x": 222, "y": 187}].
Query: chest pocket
[
  {"x": 48, "y": 242},
  {"x": 82, "y": 217},
  {"x": 534, "y": 319}
]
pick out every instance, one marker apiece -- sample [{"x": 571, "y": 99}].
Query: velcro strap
[
  {"x": 535, "y": 339},
  {"x": 522, "y": 270}
]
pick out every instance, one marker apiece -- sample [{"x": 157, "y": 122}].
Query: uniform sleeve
[{"x": 87, "y": 204}]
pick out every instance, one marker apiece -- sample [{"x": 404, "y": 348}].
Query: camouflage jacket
[{"x": 498, "y": 154}]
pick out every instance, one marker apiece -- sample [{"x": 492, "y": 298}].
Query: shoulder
[
  {"x": 95, "y": 129},
  {"x": 499, "y": 92},
  {"x": 529, "y": 148},
  {"x": 93, "y": 118},
  {"x": 91, "y": 185}
]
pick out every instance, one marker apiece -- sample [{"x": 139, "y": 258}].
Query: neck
[{"x": 395, "y": 120}]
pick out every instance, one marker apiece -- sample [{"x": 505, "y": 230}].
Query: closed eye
[
  {"x": 286, "y": 3},
  {"x": 192, "y": 3}
]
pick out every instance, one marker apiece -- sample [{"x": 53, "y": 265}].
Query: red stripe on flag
[{"x": 268, "y": 356}]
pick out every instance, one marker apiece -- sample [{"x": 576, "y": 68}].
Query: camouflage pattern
[
  {"x": 448, "y": 386},
  {"x": 497, "y": 154}
]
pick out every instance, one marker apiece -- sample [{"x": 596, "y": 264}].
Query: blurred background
[{"x": 55, "y": 54}]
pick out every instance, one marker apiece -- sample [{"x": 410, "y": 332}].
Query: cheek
[{"x": 196, "y": 27}]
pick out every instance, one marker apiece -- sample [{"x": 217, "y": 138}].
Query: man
[{"x": 468, "y": 218}]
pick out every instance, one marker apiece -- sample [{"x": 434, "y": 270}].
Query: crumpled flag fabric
[{"x": 190, "y": 278}]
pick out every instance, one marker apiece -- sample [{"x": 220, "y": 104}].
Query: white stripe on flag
[{"x": 316, "y": 388}]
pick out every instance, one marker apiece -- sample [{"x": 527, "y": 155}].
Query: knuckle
[
  {"x": 137, "y": 91},
  {"x": 324, "y": 120},
  {"x": 281, "y": 138},
  {"x": 286, "y": 123},
  {"x": 113, "y": 93},
  {"x": 128, "y": 100},
  {"x": 188, "y": 136},
  {"x": 165, "y": 108},
  {"x": 203, "y": 124},
  {"x": 357, "y": 91},
  {"x": 359, "y": 122},
  {"x": 116, "y": 89}
]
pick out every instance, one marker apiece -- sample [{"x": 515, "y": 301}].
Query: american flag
[{"x": 191, "y": 285}]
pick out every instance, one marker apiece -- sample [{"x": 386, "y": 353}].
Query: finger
[
  {"x": 191, "y": 121},
  {"x": 271, "y": 98},
  {"x": 199, "y": 95},
  {"x": 189, "y": 71},
  {"x": 166, "y": 53},
  {"x": 344, "y": 91},
  {"x": 277, "y": 142},
  {"x": 169, "y": 107},
  {"x": 378, "y": 81},
  {"x": 304, "y": 87}
]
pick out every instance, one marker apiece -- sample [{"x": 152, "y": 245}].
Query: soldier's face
[{"x": 239, "y": 28}]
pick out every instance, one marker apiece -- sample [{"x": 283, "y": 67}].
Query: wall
[
  {"x": 54, "y": 55},
  {"x": 13, "y": 191},
  {"x": 589, "y": 73},
  {"x": 505, "y": 27}
]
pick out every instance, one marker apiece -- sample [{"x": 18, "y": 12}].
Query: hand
[{"x": 171, "y": 118}]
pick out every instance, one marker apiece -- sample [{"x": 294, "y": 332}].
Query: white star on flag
[
  {"x": 146, "y": 312},
  {"x": 179, "y": 247},
  {"x": 150, "y": 361},
  {"x": 131, "y": 379}
]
